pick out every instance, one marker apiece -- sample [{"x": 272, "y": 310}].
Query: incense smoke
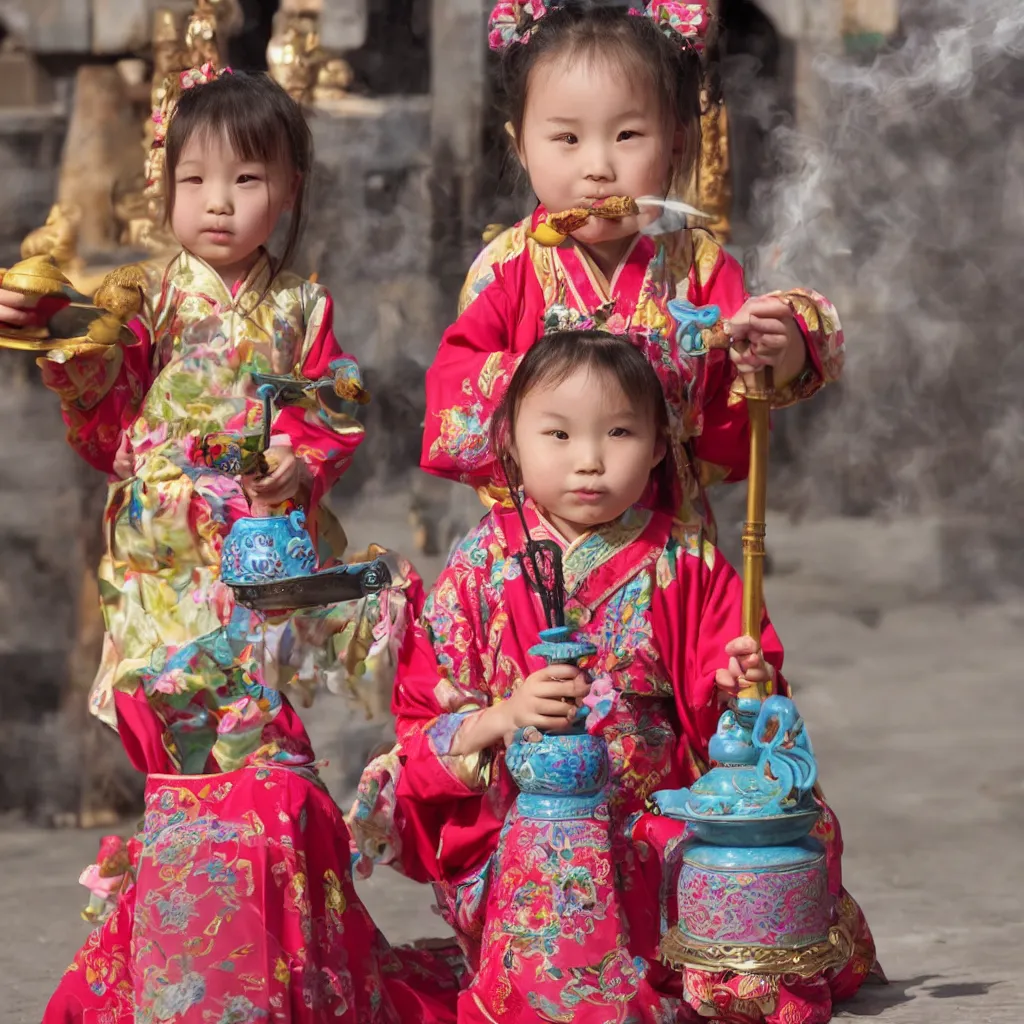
[{"x": 908, "y": 211}]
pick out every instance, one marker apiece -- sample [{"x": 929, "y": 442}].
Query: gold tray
[{"x": 67, "y": 328}]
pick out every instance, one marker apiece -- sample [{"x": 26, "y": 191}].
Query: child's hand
[
  {"x": 124, "y": 460},
  {"x": 15, "y": 308},
  {"x": 746, "y": 667},
  {"x": 280, "y": 484},
  {"x": 765, "y": 333},
  {"x": 538, "y": 702}
]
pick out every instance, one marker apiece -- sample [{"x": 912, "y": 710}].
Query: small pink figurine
[{"x": 103, "y": 879}]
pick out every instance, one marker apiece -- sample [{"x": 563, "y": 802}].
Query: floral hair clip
[
  {"x": 514, "y": 21},
  {"x": 559, "y": 318},
  {"x": 188, "y": 79},
  {"x": 202, "y": 75},
  {"x": 686, "y": 22}
]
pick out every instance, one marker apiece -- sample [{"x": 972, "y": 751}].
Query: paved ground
[{"x": 915, "y": 712}]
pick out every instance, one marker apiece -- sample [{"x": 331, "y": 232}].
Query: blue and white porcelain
[{"x": 266, "y": 549}]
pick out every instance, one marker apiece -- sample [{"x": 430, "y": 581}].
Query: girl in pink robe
[{"x": 663, "y": 609}]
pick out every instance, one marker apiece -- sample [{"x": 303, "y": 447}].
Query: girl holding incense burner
[
  {"x": 603, "y": 105},
  {"x": 237, "y": 902},
  {"x": 582, "y": 434}
]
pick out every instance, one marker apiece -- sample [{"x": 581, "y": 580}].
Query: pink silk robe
[
  {"x": 660, "y": 604},
  {"x": 516, "y": 280}
]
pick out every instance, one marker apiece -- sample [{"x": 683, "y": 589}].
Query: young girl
[
  {"x": 603, "y": 103},
  {"x": 582, "y": 430},
  {"x": 239, "y": 903}
]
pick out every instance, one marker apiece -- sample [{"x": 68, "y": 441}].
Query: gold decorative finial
[{"x": 121, "y": 292}]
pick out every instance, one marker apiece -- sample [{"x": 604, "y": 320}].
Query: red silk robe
[
  {"x": 516, "y": 280},
  {"x": 659, "y": 603}
]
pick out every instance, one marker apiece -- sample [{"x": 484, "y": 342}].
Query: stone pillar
[
  {"x": 822, "y": 33},
  {"x": 459, "y": 89},
  {"x": 813, "y": 27},
  {"x": 103, "y": 147}
]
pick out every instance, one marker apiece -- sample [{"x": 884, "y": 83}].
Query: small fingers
[
  {"x": 18, "y": 300},
  {"x": 554, "y": 690},
  {"x": 741, "y": 646},
  {"x": 547, "y": 707},
  {"x": 561, "y": 672},
  {"x": 768, "y": 307},
  {"x": 13, "y": 316},
  {"x": 725, "y": 680}
]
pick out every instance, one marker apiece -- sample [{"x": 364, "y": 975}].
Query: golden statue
[
  {"x": 57, "y": 238},
  {"x": 294, "y": 53},
  {"x": 333, "y": 79},
  {"x": 142, "y": 212},
  {"x": 201, "y": 35},
  {"x": 300, "y": 65},
  {"x": 713, "y": 191},
  {"x": 169, "y": 52}
]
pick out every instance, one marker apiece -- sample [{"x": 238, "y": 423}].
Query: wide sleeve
[
  {"x": 101, "y": 390},
  {"x": 722, "y": 448},
  {"x": 465, "y": 382},
  {"x": 823, "y": 334},
  {"x": 440, "y": 683},
  {"x": 419, "y": 794},
  {"x": 709, "y": 606},
  {"x": 324, "y": 440}
]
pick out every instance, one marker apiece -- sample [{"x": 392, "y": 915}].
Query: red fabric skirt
[{"x": 240, "y": 909}]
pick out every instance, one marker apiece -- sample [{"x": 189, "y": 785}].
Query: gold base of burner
[{"x": 680, "y": 951}]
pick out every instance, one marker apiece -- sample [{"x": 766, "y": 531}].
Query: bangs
[
  {"x": 253, "y": 134},
  {"x": 610, "y": 361},
  {"x": 619, "y": 56}
]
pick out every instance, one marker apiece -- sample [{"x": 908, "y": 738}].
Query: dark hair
[
  {"x": 261, "y": 122},
  {"x": 554, "y": 359},
  {"x": 585, "y": 29}
]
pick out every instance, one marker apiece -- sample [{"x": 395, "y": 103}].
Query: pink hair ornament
[
  {"x": 686, "y": 24},
  {"x": 202, "y": 75},
  {"x": 515, "y": 21}
]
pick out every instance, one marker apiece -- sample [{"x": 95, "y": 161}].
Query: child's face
[
  {"x": 589, "y": 132},
  {"x": 225, "y": 208},
  {"x": 585, "y": 455}
]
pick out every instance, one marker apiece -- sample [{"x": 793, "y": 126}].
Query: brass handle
[{"x": 759, "y": 392}]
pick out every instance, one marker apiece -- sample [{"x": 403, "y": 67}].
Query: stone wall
[
  {"x": 82, "y": 26},
  {"x": 31, "y": 139},
  {"x": 369, "y": 239}
]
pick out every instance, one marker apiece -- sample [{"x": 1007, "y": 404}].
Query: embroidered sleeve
[
  {"x": 464, "y": 384},
  {"x": 324, "y": 438},
  {"x": 701, "y": 612},
  {"x": 439, "y": 686},
  {"x": 823, "y": 334},
  {"x": 102, "y": 390}
]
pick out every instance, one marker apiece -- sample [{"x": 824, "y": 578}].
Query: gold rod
[{"x": 759, "y": 391}]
